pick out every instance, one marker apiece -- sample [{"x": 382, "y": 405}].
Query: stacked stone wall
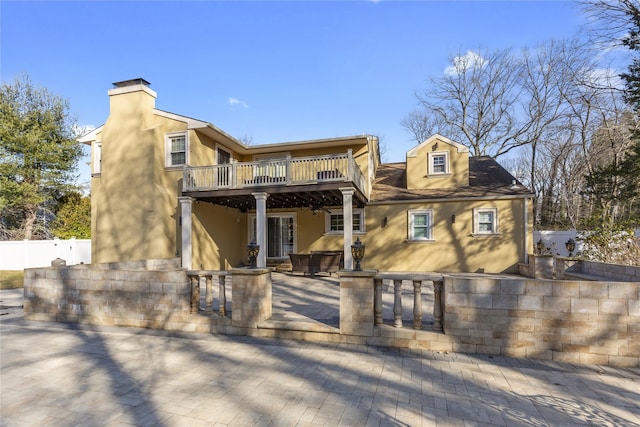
[
  {"x": 252, "y": 296},
  {"x": 571, "y": 321},
  {"x": 140, "y": 293},
  {"x": 627, "y": 273},
  {"x": 356, "y": 303}
]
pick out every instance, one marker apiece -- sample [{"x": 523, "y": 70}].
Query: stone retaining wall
[
  {"x": 627, "y": 273},
  {"x": 149, "y": 294},
  {"x": 571, "y": 321},
  {"x": 574, "y": 321},
  {"x": 549, "y": 266}
]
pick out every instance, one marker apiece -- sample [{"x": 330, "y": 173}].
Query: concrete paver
[{"x": 65, "y": 374}]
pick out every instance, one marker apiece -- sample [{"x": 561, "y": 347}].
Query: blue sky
[{"x": 274, "y": 71}]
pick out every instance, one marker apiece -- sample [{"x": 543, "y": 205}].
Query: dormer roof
[
  {"x": 459, "y": 147},
  {"x": 487, "y": 179}
]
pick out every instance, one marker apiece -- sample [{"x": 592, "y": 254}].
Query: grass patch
[{"x": 11, "y": 279}]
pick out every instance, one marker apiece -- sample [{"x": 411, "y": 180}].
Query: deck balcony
[{"x": 284, "y": 176}]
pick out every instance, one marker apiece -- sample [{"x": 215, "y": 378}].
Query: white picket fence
[{"x": 21, "y": 254}]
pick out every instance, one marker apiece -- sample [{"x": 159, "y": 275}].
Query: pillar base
[
  {"x": 252, "y": 296},
  {"x": 356, "y": 302}
]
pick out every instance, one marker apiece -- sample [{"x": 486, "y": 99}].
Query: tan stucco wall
[
  {"x": 219, "y": 237},
  {"x": 125, "y": 223},
  {"x": 455, "y": 248},
  {"x": 418, "y": 167},
  {"x": 135, "y": 211}
]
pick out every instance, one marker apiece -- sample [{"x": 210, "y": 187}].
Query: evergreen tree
[
  {"x": 73, "y": 219},
  {"x": 632, "y": 41},
  {"x": 38, "y": 157}
]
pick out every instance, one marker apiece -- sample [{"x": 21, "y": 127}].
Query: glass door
[{"x": 280, "y": 235}]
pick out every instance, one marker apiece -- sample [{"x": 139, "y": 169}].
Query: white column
[
  {"x": 347, "y": 217},
  {"x": 185, "y": 215},
  {"x": 261, "y": 228}
]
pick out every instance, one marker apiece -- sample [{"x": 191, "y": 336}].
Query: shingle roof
[{"x": 486, "y": 179}]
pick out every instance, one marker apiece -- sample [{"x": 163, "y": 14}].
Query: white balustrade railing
[{"x": 285, "y": 171}]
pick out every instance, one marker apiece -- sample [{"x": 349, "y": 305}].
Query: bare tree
[
  {"x": 246, "y": 139},
  {"x": 543, "y": 85},
  {"x": 382, "y": 148},
  {"x": 610, "y": 20},
  {"x": 422, "y": 125},
  {"x": 476, "y": 102}
]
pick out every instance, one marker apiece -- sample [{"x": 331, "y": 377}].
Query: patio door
[{"x": 280, "y": 235}]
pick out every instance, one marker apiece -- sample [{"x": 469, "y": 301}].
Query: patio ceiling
[{"x": 315, "y": 196}]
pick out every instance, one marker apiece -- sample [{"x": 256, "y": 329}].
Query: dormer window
[{"x": 438, "y": 163}]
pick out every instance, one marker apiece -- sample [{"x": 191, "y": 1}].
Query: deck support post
[
  {"x": 186, "y": 204},
  {"x": 261, "y": 228},
  {"x": 347, "y": 221}
]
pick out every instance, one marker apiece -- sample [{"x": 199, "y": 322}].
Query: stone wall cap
[
  {"x": 249, "y": 271},
  {"x": 428, "y": 276},
  {"x": 357, "y": 273}
]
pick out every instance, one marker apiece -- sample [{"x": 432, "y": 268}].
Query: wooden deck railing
[{"x": 285, "y": 171}]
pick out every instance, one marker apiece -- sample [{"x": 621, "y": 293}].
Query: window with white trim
[
  {"x": 97, "y": 158},
  {"x": 176, "y": 149},
  {"x": 438, "y": 163},
  {"x": 420, "y": 224},
  {"x": 334, "y": 221},
  {"x": 485, "y": 221}
]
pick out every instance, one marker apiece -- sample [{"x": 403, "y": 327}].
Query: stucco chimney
[{"x": 131, "y": 97}]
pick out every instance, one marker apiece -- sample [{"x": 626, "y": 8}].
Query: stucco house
[{"x": 166, "y": 185}]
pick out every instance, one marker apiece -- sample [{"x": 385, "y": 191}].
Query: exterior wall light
[
  {"x": 253, "y": 249},
  {"x": 357, "y": 251}
]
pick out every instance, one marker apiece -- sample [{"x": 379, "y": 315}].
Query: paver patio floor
[{"x": 64, "y": 374}]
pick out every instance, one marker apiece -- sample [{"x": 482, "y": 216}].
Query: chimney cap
[{"x": 132, "y": 82}]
